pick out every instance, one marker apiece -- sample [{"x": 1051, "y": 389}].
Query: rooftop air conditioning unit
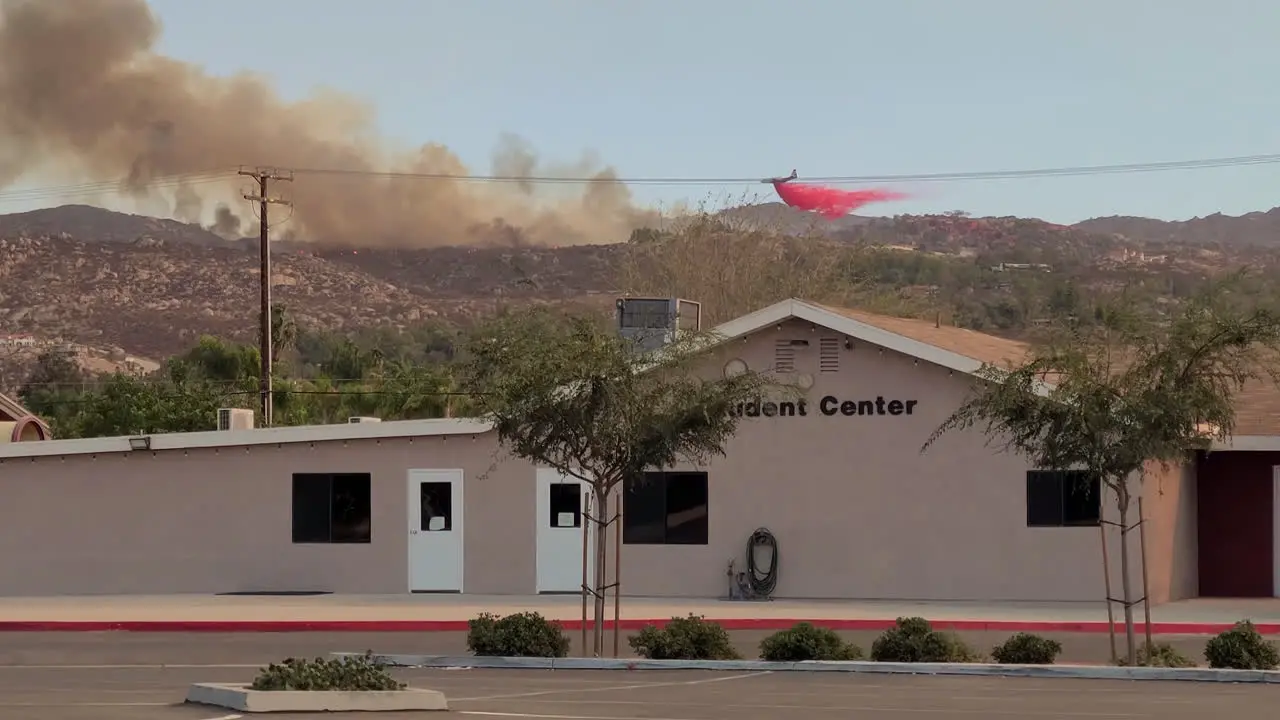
[
  {"x": 651, "y": 323},
  {"x": 358, "y": 419},
  {"x": 235, "y": 419}
]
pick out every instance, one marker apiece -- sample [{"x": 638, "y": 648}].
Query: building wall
[
  {"x": 1170, "y": 503},
  {"x": 860, "y": 512},
  {"x": 208, "y": 521}
]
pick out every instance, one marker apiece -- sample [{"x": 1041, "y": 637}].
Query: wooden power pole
[{"x": 263, "y": 176}]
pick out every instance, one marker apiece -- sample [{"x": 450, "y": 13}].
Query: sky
[{"x": 749, "y": 88}]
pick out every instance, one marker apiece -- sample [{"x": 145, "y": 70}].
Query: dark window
[
  {"x": 1070, "y": 498},
  {"x": 665, "y": 508},
  {"x": 332, "y": 508},
  {"x": 566, "y": 505},
  {"x": 436, "y": 500}
]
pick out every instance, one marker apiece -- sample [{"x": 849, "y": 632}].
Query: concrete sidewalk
[{"x": 391, "y": 613}]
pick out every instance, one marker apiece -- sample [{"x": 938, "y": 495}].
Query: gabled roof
[
  {"x": 957, "y": 349},
  {"x": 954, "y": 348}
]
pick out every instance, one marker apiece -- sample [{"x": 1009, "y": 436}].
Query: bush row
[{"x": 911, "y": 640}]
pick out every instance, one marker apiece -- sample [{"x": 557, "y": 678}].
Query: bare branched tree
[{"x": 733, "y": 264}]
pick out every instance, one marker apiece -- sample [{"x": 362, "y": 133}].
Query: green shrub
[
  {"x": 525, "y": 634},
  {"x": 913, "y": 640},
  {"x": 1027, "y": 649},
  {"x": 1161, "y": 655},
  {"x": 691, "y": 638},
  {"x": 360, "y": 673},
  {"x": 806, "y": 642},
  {"x": 1241, "y": 648}
]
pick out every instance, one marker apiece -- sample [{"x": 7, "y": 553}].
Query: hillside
[{"x": 137, "y": 286}]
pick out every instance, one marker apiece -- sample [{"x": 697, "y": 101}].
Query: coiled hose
[{"x": 762, "y": 584}]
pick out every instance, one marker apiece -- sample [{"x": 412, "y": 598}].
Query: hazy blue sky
[{"x": 747, "y": 88}]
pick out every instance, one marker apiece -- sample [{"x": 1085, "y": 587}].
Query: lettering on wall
[{"x": 829, "y": 406}]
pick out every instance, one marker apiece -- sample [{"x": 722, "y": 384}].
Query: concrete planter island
[{"x": 240, "y": 698}]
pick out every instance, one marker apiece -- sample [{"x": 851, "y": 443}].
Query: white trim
[
  {"x": 1248, "y": 443},
  {"x": 259, "y": 436},
  {"x": 798, "y": 309}
]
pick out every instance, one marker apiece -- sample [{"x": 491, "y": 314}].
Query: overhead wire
[
  {"x": 1165, "y": 166},
  {"x": 225, "y": 174},
  {"x": 114, "y": 187}
]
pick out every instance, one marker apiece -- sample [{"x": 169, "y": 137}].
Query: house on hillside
[
  {"x": 17, "y": 424},
  {"x": 837, "y": 477}
]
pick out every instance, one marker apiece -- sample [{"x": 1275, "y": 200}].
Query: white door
[
  {"x": 560, "y": 523},
  {"x": 435, "y": 531}
]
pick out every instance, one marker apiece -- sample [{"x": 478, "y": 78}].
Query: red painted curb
[{"x": 389, "y": 626}]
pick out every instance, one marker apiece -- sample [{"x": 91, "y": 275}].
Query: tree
[
  {"x": 135, "y": 405},
  {"x": 53, "y": 388},
  {"x": 1115, "y": 398},
  {"x": 733, "y": 267},
  {"x": 284, "y": 331},
  {"x": 569, "y": 394}
]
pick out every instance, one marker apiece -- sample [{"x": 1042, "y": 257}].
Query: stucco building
[{"x": 838, "y": 478}]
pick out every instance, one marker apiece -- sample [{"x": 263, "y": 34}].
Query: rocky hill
[{"x": 146, "y": 287}]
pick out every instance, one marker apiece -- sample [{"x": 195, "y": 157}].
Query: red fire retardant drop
[{"x": 828, "y": 202}]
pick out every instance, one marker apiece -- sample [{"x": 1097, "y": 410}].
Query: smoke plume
[{"x": 83, "y": 91}]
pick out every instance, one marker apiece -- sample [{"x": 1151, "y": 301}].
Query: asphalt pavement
[{"x": 143, "y": 676}]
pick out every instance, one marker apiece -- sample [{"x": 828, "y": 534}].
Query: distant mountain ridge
[
  {"x": 84, "y": 222},
  {"x": 148, "y": 287}
]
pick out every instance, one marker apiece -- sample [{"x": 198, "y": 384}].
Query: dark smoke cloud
[{"x": 82, "y": 90}]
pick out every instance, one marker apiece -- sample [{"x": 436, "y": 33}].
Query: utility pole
[{"x": 264, "y": 200}]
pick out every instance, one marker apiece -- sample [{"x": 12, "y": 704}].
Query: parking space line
[
  {"x": 612, "y": 688},
  {"x": 555, "y": 717}
]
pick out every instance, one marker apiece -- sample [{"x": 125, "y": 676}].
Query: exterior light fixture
[{"x": 140, "y": 443}]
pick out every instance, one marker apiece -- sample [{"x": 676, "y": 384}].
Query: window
[
  {"x": 332, "y": 508},
  {"x": 665, "y": 508},
  {"x": 436, "y": 502},
  {"x": 1063, "y": 499},
  {"x": 566, "y": 505}
]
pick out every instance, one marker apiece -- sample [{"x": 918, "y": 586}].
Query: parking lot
[{"x": 108, "y": 676}]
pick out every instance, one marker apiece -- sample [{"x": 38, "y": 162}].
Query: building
[
  {"x": 18, "y": 424},
  {"x": 839, "y": 479}
]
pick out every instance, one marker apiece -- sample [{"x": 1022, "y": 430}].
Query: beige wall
[
  {"x": 220, "y": 520},
  {"x": 858, "y": 511},
  {"x": 1169, "y": 502}
]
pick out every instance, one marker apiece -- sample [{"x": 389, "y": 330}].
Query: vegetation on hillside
[{"x": 925, "y": 267}]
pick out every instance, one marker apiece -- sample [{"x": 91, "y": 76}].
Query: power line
[
  {"x": 112, "y": 187},
  {"x": 1065, "y": 171},
  {"x": 223, "y": 175}
]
